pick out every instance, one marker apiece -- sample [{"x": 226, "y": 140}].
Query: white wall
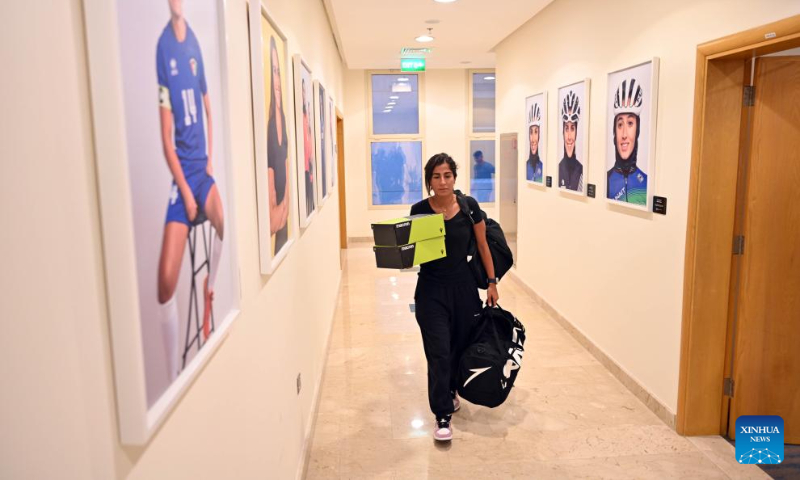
[
  {"x": 242, "y": 417},
  {"x": 445, "y": 110},
  {"x": 616, "y": 275}
]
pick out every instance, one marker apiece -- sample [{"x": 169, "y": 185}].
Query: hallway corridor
[{"x": 567, "y": 417}]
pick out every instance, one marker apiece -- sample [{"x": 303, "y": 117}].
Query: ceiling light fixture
[
  {"x": 488, "y": 78},
  {"x": 394, "y": 97},
  {"x": 402, "y": 79},
  {"x": 387, "y": 111},
  {"x": 425, "y": 38}
]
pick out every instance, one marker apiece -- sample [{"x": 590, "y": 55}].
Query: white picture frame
[
  {"x": 304, "y": 94},
  {"x": 115, "y": 96},
  {"x": 333, "y": 153},
  {"x": 321, "y": 126},
  {"x": 535, "y": 115},
  {"x": 624, "y": 182},
  {"x": 273, "y": 246},
  {"x": 571, "y": 184}
]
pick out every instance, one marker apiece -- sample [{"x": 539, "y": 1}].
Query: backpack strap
[{"x": 462, "y": 203}]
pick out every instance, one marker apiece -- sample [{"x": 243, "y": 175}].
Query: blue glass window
[
  {"x": 482, "y": 169},
  {"x": 483, "y": 94},
  {"x": 396, "y": 173},
  {"x": 395, "y": 104}
]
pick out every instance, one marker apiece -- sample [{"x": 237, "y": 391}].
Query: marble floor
[{"x": 567, "y": 417}]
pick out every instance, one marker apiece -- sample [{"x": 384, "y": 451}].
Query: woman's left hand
[{"x": 492, "y": 296}]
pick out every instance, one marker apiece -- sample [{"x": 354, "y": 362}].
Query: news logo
[{"x": 759, "y": 439}]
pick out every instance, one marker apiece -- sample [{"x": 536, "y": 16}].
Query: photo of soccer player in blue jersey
[{"x": 186, "y": 137}]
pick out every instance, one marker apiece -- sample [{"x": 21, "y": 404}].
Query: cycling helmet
[
  {"x": 628, "y": 98},
  {"x": 570, "y": 108},
  {"x": 535, "y": 116}
]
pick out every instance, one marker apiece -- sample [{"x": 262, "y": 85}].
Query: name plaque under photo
[{"x": 660, "y": 205}]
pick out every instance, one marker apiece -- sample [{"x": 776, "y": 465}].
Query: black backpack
[
  {"x": 502, "y": 257},
  {"x": 490, "y": 365}
]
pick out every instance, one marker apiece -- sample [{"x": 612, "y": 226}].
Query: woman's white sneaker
[{"x": 444, "y": 430}]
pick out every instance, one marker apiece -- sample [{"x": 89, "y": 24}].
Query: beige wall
[
  {"x": 445, "y": 110},
  {"x": 242, "y": 417},
  {"x": 615, "y": 274}
]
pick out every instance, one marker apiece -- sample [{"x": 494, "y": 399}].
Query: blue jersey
[
  {"x": 483, "y": 170},
  {"x": 181, "y": 87},
  {"x": 534, "y": 173},
  {"x": 631, "y": 188}
]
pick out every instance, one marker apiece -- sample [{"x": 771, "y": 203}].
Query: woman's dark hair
[{"x": 434, "y": 162}]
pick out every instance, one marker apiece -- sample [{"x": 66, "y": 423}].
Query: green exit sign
[{"x": 412, "y": 65}]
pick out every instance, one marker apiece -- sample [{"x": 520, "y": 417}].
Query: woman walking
[{"x": 447, "y": 300}]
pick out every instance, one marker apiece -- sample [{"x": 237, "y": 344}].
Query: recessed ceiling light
[
  {"x": 402, "y": 79},
  {"x": 392, "y": 103},
  {"x": 387, "y": 111},
  {"x": 488, "y": 78},
  {"x": 394, "y": 97}
]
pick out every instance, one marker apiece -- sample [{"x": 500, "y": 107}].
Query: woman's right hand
[{"x": 191, "y": 206}]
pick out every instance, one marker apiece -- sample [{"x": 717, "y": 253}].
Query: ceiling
[{"x": 371, "y": 33}]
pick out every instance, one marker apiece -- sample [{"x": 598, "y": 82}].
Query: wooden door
[{"x": 766, "y": 367}]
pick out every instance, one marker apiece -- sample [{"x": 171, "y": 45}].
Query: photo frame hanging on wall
[
  {"x": 534, "y": 155},
  {"x": 573, "y": 137},
  {"x": 631, "y": 112},
  {"x": 272, "y": 117},
  {"x": 332, "y": 136},
  {"x": 166, "y": 192},
  {"x": 307, "y": 175},
  {"x": 322, "y": 129}
]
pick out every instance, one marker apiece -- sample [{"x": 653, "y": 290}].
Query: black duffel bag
[{"x": 490, "y": 365}]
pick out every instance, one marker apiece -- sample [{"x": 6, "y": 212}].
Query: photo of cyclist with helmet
[
  {"x": 572, "y": 140},
  {"x": 630, "y": 117},
  {"x": 626, "y": 181},
  {"x": 534, "y": 166}
]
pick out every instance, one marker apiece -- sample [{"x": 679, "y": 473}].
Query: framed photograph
[
  {"x": 535, "y": 152},
  {"x": 631, "y": 108},
  {"x": 322, "y": 130},
  {"x": 573, "y": 137},
  {"x": 332, "y": 163},
  {"x": 275, "y": 168},
  {"x": 304, "y": 128},
  {"x": 161, "y": 132}
]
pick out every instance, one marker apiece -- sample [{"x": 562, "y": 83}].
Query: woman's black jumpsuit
[{"x": 447, "y": 306}]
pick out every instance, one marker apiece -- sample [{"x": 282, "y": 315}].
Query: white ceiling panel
[{"x": 371, "y": 33}]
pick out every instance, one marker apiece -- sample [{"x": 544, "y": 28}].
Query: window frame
[
  {"x": 472, "y": 135},
  {"x": 385, "y": 138}
]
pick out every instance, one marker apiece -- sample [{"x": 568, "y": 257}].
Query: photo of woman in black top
[
  {"x": 446, "y": 296},
  {"x": 277, "y": 155}
]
